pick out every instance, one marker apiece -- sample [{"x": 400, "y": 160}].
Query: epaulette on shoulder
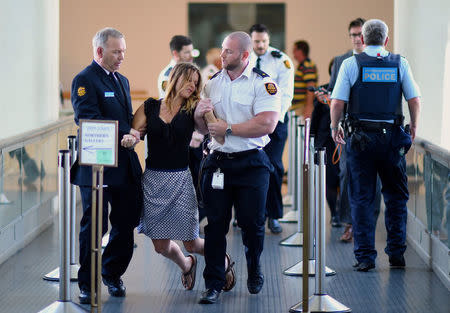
[
  {"x": 215, "y": 74},
  {"x": 168, "y": 71},
  {"x": 276, "y": 54},
  {"x": 260, "y": 73}
]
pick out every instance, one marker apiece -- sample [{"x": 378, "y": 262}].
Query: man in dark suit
[{"x": 99, "y": 92}]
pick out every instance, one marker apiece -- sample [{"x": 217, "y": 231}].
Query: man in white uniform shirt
[
  {"x": 181, "y": 49},
  {"x": 247, "y": 104},
  {"x": 279, "y": 67}
]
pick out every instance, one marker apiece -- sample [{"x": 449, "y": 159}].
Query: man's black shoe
[
  {"x": 335, "y": 222},
  {"x": 363, "y": 266},
  {"x": 274, "y": 226},
  {"x": 255, "y": 282},
  {"x": 115, "y": 287},
  {"x": 397, "y": 261},
  {"x": 85, "y": 296},
  {"x": 209, "y": 296}
]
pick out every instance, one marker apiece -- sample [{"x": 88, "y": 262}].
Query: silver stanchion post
[
  {"x": 74, "y": 267},
  {"x": 296, "y": 239},
  {"x": 320, "y": 301},
  {"x": 64, "y": 304},
  {"x": 288, "y": 200},
  {"x": 313, "y": 194}
]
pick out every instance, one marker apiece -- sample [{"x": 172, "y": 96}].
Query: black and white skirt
[{"x": 170, "y": 205}]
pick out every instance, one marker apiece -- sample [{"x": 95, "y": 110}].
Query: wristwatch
[
  {"x": 229, "y": 131},
  {"x": 334, "y": 128}
]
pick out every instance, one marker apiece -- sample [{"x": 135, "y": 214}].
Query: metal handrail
[{"x": 35, "y": 134}]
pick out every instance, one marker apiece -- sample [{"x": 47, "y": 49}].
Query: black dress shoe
[
  {"x": 274, "y": 226},
  {"x": 397, "y": 261},
  {"x": 335, "y": 222},
  {"x": 85, "y": 296},
  {"x": 115, "y": 287},
  {"x": 363, "y": 266},
  {"x": 255, "y": 282},
  {"x": 209, "y": 296}
]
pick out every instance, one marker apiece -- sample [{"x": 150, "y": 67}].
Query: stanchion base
[
  {"x": 63, "y": 307},
  {"x": 287, "y": 200},
  {"x": 54, "y": 275},
  {"x": 321, "y": 303},
  {"x": 289, "y": 217},
  {"x": 294, "y": 240},
  {"x": 297, "y": 269}
]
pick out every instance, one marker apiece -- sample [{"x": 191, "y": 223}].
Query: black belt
[
  {"x": 373, "y": 126},
  {"x": 233, "y": 155}
]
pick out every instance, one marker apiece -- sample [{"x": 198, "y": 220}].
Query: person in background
[
  {"x": 279, "y": 67},
  {"x": 305, "y": 76}
]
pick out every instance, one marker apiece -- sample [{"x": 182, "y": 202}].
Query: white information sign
[{"x": 98, "y": 142}]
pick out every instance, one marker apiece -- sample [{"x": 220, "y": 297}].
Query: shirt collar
[
  {"x": 374, "y": 50},
  {"x": 106, "y": 71}
]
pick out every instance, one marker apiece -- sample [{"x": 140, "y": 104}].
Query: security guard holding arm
[
  {"x": 373, "y": 83},
  {"x": 247, "y": 103}
]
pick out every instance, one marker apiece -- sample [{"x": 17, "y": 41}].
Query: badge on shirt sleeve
[
  {"x": 287, "y": 64},
  {"x": 271, "y": 88},
  {"x": 81, "y": 91},
  {"x": 164, "y": 85}
]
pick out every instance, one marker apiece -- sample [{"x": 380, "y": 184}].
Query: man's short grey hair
[
  {"x": 101, "y": 37},
  {"x": 375, "y": 32},
  {"x": 245, "y": 42}
]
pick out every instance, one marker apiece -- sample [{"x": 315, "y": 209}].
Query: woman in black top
[{"x": 170, "y": 205}]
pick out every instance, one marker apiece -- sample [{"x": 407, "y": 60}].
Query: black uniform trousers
[
  {"x": 274, "y": 150},
  {"x": 246, "y": 180},
  {"x": 126, "y": 205},
  {"x": 381, "y": 156}
]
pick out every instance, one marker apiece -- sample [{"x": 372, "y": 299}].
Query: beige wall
[
  {"x": 149, "y": 25},
  {"x": 29, "y": 79}
]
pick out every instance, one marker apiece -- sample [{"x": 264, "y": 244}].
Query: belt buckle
[{"x": 229, "y": 156}]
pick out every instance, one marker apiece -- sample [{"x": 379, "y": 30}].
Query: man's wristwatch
[{"x": 229, "y": 131}]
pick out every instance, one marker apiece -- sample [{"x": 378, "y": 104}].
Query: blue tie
[{"x": 258, "y": 63}]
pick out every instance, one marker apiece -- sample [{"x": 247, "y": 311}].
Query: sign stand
[{"x": 98, "y": 148}]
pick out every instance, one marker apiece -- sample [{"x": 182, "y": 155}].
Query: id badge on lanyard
[{"x": 217, "y": 180}]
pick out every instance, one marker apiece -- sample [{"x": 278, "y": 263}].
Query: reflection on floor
[{"x": 153, "y": 283}]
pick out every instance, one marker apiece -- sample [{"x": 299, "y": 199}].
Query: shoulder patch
[
  {"x": 164, "y": 85},
  {"x": 81, "y": 91},
  {"x": 260, "y": 73},
  {"x": 168, "y": 71},
  {"x": 215, "y": 75},
  {"x": 271, "y": 88},
  {"x": 287, "y": 64},
  {"x": 276, "y": 54}
]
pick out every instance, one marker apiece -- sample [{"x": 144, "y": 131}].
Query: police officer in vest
[
  {"x": 372, "y": 83},
  {"x": 246, "y": 102},
  {"x": 278, "y": 66}
]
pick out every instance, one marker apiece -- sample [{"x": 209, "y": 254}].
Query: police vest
[{"x": 377, "y": 93}]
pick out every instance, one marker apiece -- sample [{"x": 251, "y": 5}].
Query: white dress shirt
[{"x": 240, "y": 100}]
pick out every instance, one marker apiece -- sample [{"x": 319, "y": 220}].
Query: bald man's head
[{"x": 243, "y": 39}]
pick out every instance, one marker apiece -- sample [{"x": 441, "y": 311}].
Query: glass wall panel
[
  {"x": 11, "y": 185},
  {"x": 439, "y": 205},
  {"x": 32, "y": 171},
  {"x": 49, "y": 184},
  {"x": 420, "y": 188},
  {"x": 207, "y": 32}
]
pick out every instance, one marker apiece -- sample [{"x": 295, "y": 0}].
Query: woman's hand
[{"x": 129, "y": 141}]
